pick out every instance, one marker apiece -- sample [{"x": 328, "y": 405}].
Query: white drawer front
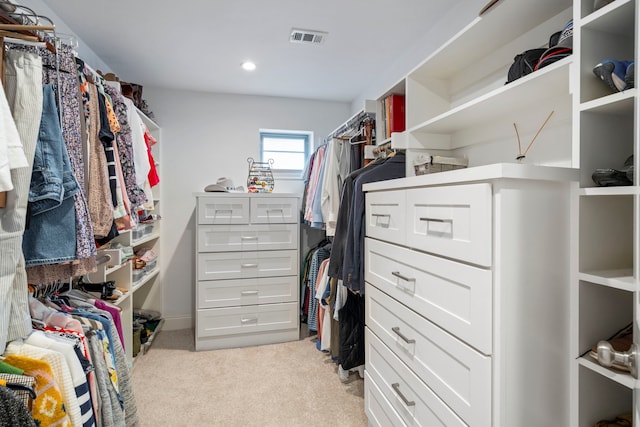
[
  {"x": 229, "y": 238},
  {"x": 458, "y": 374},
  {"x": 264, "y": 290},
  {"x": 239, "y": 265},
  {"x": 412, "y": 400},
  {"x": 247, "y": 319},
  {"x": 451, "y": 221},
  {"x": 455, "y": 296},
  {"x": 385, "y": 216},
  {"x": 223, "y": 210},
  {"x": 273, "y": 210},
  {"x": 378, "y": 409}
]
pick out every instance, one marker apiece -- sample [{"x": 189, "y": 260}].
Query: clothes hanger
[{"x": 15, "y": 386}]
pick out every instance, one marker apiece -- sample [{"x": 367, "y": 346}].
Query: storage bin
[
  {"x": 430, "y": 164},
  {"x": 151, "y": 265},
  {"x": 137, "y": 274},
  {"x": 138, "y": 232}
]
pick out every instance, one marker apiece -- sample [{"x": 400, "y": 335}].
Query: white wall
[
  {"x": 84, "y": 52},
  {"x": 206, "y": 136},
  {"x": 408, "y": 57}
]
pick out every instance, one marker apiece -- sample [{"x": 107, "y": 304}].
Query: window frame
[{"x": 307, "y": 136}]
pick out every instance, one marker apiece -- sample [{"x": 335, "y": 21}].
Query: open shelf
[{"x": 502, "y": 103}]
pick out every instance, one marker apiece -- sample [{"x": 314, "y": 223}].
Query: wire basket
[
  {"x": 260, "y": 179},
  {"x": 431, "y": 164}
]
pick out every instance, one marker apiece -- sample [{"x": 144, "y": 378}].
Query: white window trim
[{"x": 289, "y": 174}]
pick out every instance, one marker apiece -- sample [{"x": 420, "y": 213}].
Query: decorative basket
[
  {"x": 260, "y": 179},
  {"x": 430, "y": 164}
]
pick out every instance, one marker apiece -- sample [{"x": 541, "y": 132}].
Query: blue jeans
[{"x": 50, "y": 237}]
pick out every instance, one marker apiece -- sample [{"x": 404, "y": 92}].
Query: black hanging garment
[{"x": 352, "y": 332}]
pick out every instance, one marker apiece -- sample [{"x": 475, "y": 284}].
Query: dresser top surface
[
  {"x": 252, "y": 195},
  {"x": 480, "y": 173}
]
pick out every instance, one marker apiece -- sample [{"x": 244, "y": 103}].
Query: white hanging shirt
[{"x": 11, "y": 151}]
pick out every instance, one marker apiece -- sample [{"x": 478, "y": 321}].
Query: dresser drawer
[
  {"x": 245, "y": 237},
  {"x": 240, "y": 265},
  {"x": 455, "y": 296},
  {"x": 273, "y": 210},
  {"x": 377, "y": 407},
  {"x": 453, "y": 221},
  {"x": 385, "y": 216},
  {"x": 247, "y": 319},
  {"x": 412, "y": 400},
  {"x": 232, "y": 292},
  {"x": 458, "y": 374},
  {"x": 223, "y": 210}
]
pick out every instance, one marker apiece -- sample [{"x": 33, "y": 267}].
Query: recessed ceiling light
[{"x": 248, "y": 65}]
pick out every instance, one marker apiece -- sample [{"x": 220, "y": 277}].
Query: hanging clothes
[
  {"x": 98, "y": 183},
  {"x": 12, "y": 410},
  {"x": 23, "y": 83},
  {"x": 124, "y": 143},
  {"x": 48, "y": 406},
  {"x": 50, "y": 236},
  {"x": 353, "y": 263},
  {"x": 66, "y": 85}
]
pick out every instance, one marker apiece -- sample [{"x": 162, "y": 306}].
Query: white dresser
[
  {"x": 247, "y": 266},
  {"x": 467, "y": 298}
]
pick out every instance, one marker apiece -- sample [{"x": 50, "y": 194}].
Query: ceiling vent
[{"x": 307, "y": 36}]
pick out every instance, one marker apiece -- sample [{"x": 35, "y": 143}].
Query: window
[{"x": 288, "y": 149}]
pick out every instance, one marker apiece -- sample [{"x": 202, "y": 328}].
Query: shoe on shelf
[
  {"x": 629, "y": 77},
  {"x": 610, "y": 178},
  {"x": 624, "y": 420},
  {"x": 628, "y": 168},
  {"x": 613, "y": 73}
]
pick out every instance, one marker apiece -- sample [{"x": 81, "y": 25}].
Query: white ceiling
[{"x": 199, "y": 45}]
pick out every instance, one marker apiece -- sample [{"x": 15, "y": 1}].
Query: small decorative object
[
  {"x": 522, "y": 155},
  {"x": 260, "y": 179}
]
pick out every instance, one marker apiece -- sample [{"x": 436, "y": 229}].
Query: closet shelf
[
  {"x": 145, "y": 279},
  {"x": 145, "y": 239},
  {"x": 535, "y": 88},
  {"x": 620, "y": 377},
  {"x": 619, "y": 279},
  {"x": 120, "y": 300},
  {"x": 610, "y": 17},
  {"x": 616, "y": 103},
  {"x": 609, "y": 191},
  {"x": 507, "y": 20},
  {"x": 110, "y": 269}
]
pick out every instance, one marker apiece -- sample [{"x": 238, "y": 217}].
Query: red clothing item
[{"x": 153, "y": 177}]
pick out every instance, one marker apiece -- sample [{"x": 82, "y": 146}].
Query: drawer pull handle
[
  {"x": 249, "y": 238},
  {"x": 223, "y": 210},
  {"x": 396, "y": 329},
  {"x": 396, "y": 388},
  {"x": 248, "y": 265},
  {"x": 244, "y": 293},
  {"x": 380, "y": 215},
  {"x": 275, "y": 210},
  {"x": 435, "y": 219},
  {"x": 249, "y": 320},
  {"x": 400, "y": 276}
]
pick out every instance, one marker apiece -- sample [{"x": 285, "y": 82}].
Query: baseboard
[{"x": 177, "y": 323}]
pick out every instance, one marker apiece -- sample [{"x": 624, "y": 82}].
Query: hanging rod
[
  {"x": 349, "y": 124},
  {"x": 23, "y": 27}
]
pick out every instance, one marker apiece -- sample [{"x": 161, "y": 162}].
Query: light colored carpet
[{"x": 288, "y": 384}]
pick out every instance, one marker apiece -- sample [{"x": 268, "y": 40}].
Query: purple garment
[{"x": 115, "y": 314}]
